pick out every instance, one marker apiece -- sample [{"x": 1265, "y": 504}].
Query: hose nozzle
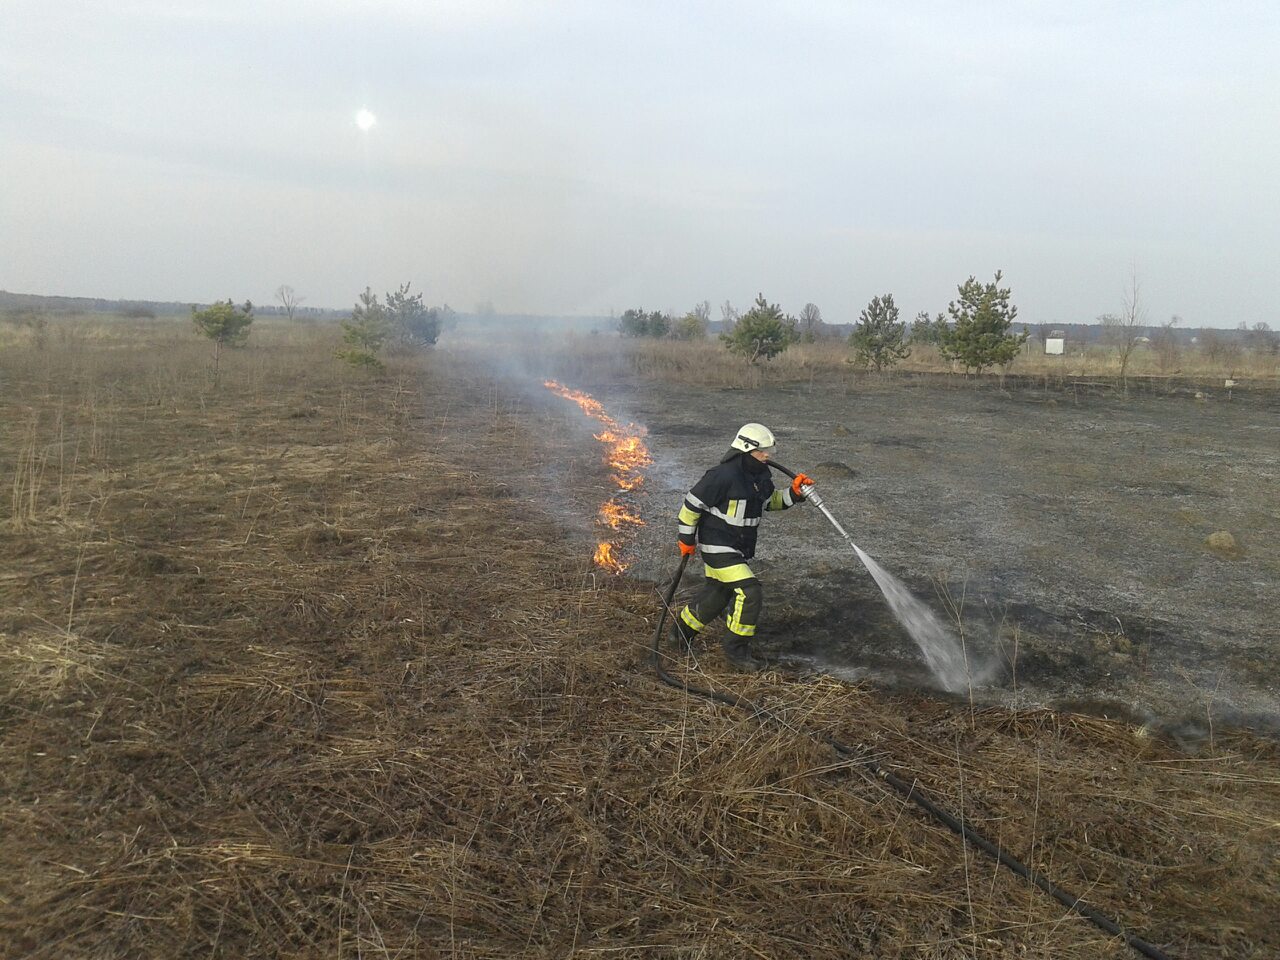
[
  {"x": 808, "y": 490},
  {"x": 813, "y": 497}
]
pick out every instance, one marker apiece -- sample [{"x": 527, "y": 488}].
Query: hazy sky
[{"x": 581, "y": 157}]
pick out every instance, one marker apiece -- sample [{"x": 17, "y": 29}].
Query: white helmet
[{"x": 754, "y": 436}]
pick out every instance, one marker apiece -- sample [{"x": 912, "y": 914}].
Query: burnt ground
[
  {"x": 311, "y": 662},
  {"x": 1068, "y": 524}
]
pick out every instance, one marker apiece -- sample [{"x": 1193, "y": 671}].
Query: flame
[
  {"x": 626, "y": 456},
  {"x": 604, "y": 558},
  {"x": 613, "y": 514}
]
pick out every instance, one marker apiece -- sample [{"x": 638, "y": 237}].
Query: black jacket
[{"x": 722, "y": 512}]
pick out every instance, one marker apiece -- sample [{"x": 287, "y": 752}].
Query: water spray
[{"x": 944, "y": 654}]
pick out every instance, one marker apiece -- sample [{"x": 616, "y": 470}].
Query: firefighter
[{"x": 721, "y": 514}]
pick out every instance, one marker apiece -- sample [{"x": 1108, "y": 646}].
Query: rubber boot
[
  {"x": 737, "y": 651},
  {"x": 681, "y": 637}
]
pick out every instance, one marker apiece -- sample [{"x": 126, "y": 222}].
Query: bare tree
[
  {"x": 288, "y": 298},
  {"x": 1210, "y": 343},
  {"x": 1165, "y": 343},
  {"x": 810, "y": 323},
  {"x": 1221, "y": 348},
  {"x": 728, "y": 316},
  {"x": 1263, "y": 340},
  {"x": 1122, "y": 331}
]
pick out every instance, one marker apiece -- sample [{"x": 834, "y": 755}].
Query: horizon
[{"x": 275, "y": 309}]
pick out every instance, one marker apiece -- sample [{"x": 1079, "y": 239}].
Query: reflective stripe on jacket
[{"x": 722, "y": 512}]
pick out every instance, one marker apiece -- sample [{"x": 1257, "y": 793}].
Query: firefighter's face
[{"x": 761, "y": 455}]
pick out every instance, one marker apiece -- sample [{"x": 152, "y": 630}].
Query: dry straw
[{"x": 338, "y": 685}]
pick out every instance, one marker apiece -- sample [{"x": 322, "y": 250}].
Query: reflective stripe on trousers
[{"x": 730, "y": 583}]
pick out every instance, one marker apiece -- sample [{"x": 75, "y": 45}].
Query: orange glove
[
  {"x": 801, "y": 480},
  {"x": 686, "y": 549}
]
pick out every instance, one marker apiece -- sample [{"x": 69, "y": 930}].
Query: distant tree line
[
  {"x": 73, "y": 305},
  {"x": 696, "y": 324}
]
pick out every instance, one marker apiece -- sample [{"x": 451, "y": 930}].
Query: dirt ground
[
  {"x": 314, "y": 663},
  {"x": 1069, "y": 524}
]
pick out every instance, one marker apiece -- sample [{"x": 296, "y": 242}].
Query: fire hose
[{"x": 908, "y": 790}]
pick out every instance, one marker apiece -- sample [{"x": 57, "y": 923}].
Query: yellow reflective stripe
[
  {"x": 776, "y": 502},
  {"x": 739, "y": 571},
  {"x": 734, "y": 620},
  {"x": 690, "y": 620},
  {"x": 688, "y": 517},
  {"x": 732, "y": 509}
]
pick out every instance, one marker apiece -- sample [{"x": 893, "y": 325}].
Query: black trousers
[{"x": 730, "y": 585}]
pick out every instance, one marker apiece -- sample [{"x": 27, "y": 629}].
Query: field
[
  {"x": 1074, "y": 527},
  {"x": 312, "y": 662}
]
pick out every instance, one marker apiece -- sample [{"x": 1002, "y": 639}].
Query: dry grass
[{"x": 300, "y": 667}]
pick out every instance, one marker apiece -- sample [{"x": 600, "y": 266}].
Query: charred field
[
  {"x": 1065, "y": 533},
  {"x": 312, "y": 662}
]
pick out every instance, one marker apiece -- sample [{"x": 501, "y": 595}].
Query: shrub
[
  {"x": 762, "y": 332},
  {"x": 637, "y": 323},
  {"x": 693, "y": 325},
  {"x": 924, "y": 330},
  {"x": 365, "y": 332},
  {"x": 690, "y": 327},
  {"x": 879, "y": 340},
  {"x": 979, "y": 336},
  {"x": 225, "y": 324},
  {"x": 414, "y": 324}
]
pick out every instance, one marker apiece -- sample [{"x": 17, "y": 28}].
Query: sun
[{"x": 365, "y": 119}]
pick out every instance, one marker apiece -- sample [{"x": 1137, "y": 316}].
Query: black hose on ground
[{"x": 908, "y": 790}]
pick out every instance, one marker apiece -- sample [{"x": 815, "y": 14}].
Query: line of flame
[{"x": 626, "y": 455}]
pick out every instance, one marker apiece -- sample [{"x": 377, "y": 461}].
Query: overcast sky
[{"x": 581, "y": 157}]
